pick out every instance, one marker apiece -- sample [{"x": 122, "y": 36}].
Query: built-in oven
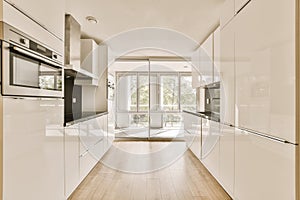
[
  {"x": 29, "y": 68},
  {"x": 212, "y": 98}
]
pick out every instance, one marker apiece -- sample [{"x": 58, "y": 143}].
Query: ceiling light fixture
[{"x": 91, "y": 19}]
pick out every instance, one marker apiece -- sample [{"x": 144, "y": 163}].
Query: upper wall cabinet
[
  {"x": 49, "y": 14},
  {"x": 42, "y": 20},
  {"x": 265, "y": 67},
  {"x": 206, "y": 61},
  {"x": 196, "y": 78},
  {"x": 89, "y": 56},
  {"x": 217, "y": 56},
  {"x": 227, "y": 73},
  {"x": 227, "y": 12}
]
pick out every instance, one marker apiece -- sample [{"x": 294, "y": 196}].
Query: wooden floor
[{"x": 185, "y": 179}]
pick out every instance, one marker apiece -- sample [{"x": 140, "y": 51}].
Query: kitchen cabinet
[
  {"x": 227, "y": 73},
  {"x": 49, "y": 30},
  {"x": 89, "y": 55},
  {"x": 72, "y": 177},
  {"x": 91, "y": 145},
  {"x": 227, "y": 12},
  {"x": 196, "y": 76},
  {"x": 264, "y": 168},
  {"x": 206, "y": 61},
  {"x": 216, "y": 55},
  {"x": 192, "y": 127},
  {"x": 265, "y": 68},
  {"x": 49, "y": 14},
  {"x": 195, "y": 146},
  {"x": 33, "y": 149},
  {"x": 211, "y": 146},
  {"x": 86, "y": 163},
  {"x": 85, "y": 144},
  {"x": 226, "y": 162}
]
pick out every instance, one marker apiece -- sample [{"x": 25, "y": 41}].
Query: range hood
[{"x": 72, "y": 53}]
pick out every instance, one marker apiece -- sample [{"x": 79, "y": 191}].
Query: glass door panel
[
  {"x": 150, "y": 98},
  {"x": 132, "y": 114}
]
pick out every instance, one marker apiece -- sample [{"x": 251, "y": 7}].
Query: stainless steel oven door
[{"x": 25, "y": 73}]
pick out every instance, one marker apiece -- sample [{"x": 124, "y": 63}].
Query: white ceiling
[{"x": 194, "y": 18}]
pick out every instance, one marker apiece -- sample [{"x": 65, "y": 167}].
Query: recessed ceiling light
[
  {"x": 185, "y": 67},
  {"x": 91, "y": 19}
]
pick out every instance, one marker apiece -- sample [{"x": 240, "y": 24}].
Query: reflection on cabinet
[
  {"x": 264, "y": 168},
  {"x": 265, "y": 68},
  {"x": 85, "y": 144},
  {"x": 227, "y": 12},
  {"x": 227, "y": 72},
  {"x": 226, "y": 173},
  {"x": 211, "y": 146},
  {"x": 33, "y": 149}
]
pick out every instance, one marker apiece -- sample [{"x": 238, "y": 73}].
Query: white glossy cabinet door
[
  {"x": 264, "y": 168},
  {"x": 227, "y": 73},
  {"x": 196, "y": 78},
  {"x": 217, "y": 55},
  {"x": 265, "y": 67},
  {"x": 72, "y": 178},
  {"x": 210, "y": 146},
  {"x": 33, "y": 151},
  {"x": 196, "y": 136},
  {"x": 192, "y": 127},
  {"x": 49, "y": 14},
  {"x": 89, "y": 56},
  {"x": 87, "y": 162},
  {"x": 226, "y": 173},
  {"x": 227, "y": 12},
  {"x": 187, "y": 122},
  {"x": 206, "y": 61},
  {"x": 16, "y": 19}
]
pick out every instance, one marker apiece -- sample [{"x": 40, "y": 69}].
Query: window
[
  {"x": 187, "y": 93},
  {"x": 169, "y": 88},
  {"x": 169, "y": 92}
]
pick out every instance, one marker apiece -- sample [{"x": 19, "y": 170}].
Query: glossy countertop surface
[
  {"x": 84, "y": 117},
  {"x": 207, "y": 115}
]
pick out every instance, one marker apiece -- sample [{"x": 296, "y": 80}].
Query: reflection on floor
[
  {"x": 142, "y": 132},
  {"x": 184, "y": 179}
]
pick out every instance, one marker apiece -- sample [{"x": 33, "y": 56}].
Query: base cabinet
[
  {"x": 87, "y": 161},
  {"x": 85, "y": 144},
  {"x": 264, "y": 168},
  {"x": 72, "y": 176},
  {"x": 211, "y": 146},
  {"x": 226, "y": 158},
  {"x": 192, "y": 127},
  {"x": 33, "y": 149},
  {"x": 196, "y": 137}
]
